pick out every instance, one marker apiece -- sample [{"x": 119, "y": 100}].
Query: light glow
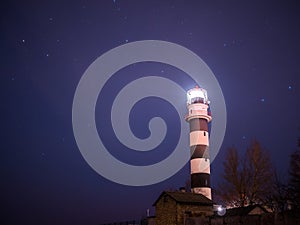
[{"x": 197, "y": 95}]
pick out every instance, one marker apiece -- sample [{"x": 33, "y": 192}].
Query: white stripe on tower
[{"x": 198, "y": 118}]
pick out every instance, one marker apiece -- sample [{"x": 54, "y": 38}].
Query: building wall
[
  {"x": 151, "y": 221},
  {"x": 195, "y": 211},
  {"x": 165, "y": 211},
  {"x": 285, "y": 218},
  {"x": 197, "y": 221},
  {"x": 168, "y": 212}
]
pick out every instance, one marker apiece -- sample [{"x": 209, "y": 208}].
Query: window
[{"x": 204, "y": 133}]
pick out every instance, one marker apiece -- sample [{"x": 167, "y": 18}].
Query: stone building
[
  {"x": 175, "y": 208},
  {"x": 251, "y": 214}
]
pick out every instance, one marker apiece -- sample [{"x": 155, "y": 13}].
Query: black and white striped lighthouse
[{"x": 198, "y": 117}]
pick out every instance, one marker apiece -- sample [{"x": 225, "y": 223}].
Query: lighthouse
[{"x": 198, "y": 118}]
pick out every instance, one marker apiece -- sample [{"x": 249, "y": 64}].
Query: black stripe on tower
[
  {"x": 198, "y": 124},
  {"x": 199, "y": 180},
  {"x": 199, "y": 151}
]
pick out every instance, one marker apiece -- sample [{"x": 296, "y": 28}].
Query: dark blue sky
[{"x": 252, "y": 48}]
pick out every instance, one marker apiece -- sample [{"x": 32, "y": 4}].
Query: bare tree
[
  {"x": 278, "y": 199},
  {"x": 246, "y": 180},
  {"x": 286, "y": 194},
  {"x": 232, "y": 190},
  {"x": 294, "y": 182},
  {"x": 259, "y": 173}
]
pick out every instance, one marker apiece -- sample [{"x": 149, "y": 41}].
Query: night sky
[{"x": 252, "y": 48}]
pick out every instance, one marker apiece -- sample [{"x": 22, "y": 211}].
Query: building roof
[
  {"x": 243, "y": 211},
  {"x": 186, "y": 198}
]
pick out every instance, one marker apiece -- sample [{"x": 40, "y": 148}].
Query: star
[
  {"x": 23, "y": 40},
  {"x": 262, "y": 100},
  {"x": 47, "y": 55},
  {"x": 290, "y": 87}
]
